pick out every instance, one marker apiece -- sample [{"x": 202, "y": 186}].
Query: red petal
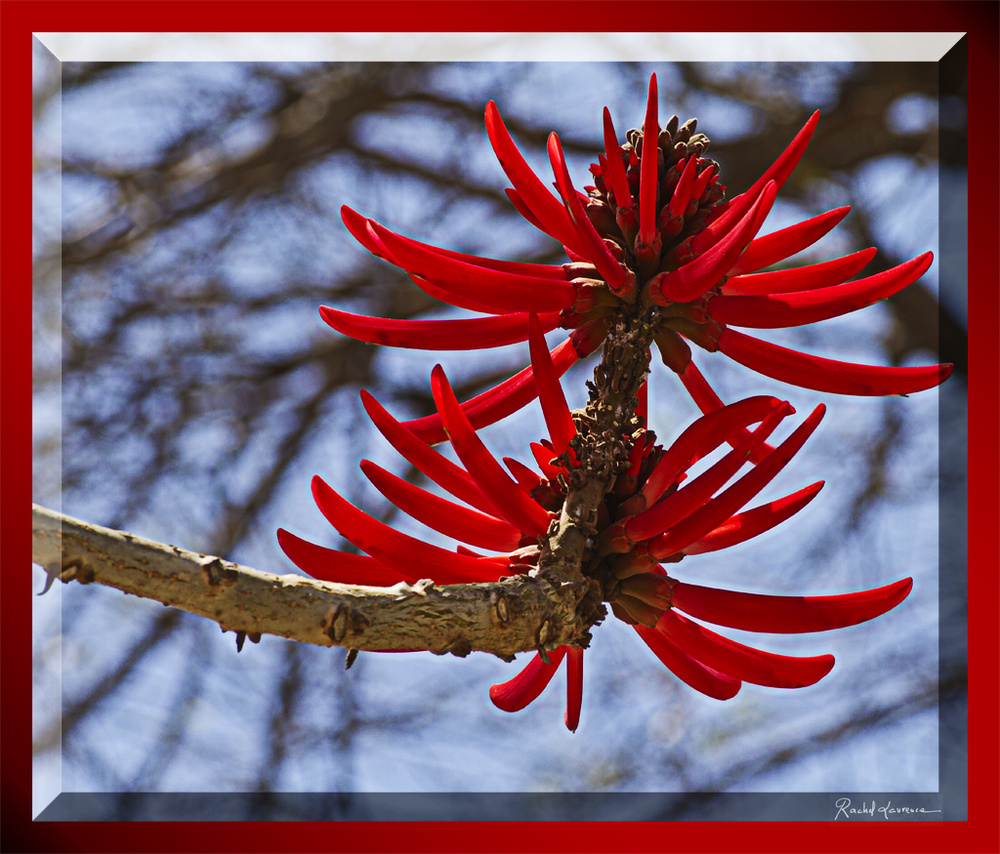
[
  {"x": 522, "y": 208},
  {"x": 783, "y": 167},
  {"x": 669, "y": 512},
  {"x": 684, "y": 189},
  {"x": 478, "y": 333},
  {"x": 453, "y": 520},
  {"x": 499, "y": 401},
  {"x": 522, "y": 474},
  {"x": 743, "y": 662},
  {"x": 408, "y": 555},
  {"x": 513, "y": 503},
  {"x": 364, "y": 232},
  {"x": 689, "y": 670},
  {"x": 523, "y": 689},
  {"x": 778, "y": 172},
  {"x": 614, "y": 175},
  {"x": 549, "y": 212},
  {"x": 543, "y": 456},
  {"x": 597, "y": 252},
  {"x": 750, "y": 523},
  {"x": 647, "y": 167},
  {"x": 715, "y": 512},
  {"x": 755, "y": 612},
  {"x": 438, "y": 468},
  {"x": 829, "y": 375},
  {"x": 574, "y": 688},
  {"x": 696, "y": 277},
  {"x": 702, "y": 181},
  {"x": 558, "y": 418},
  {"x": 338, "y": 567},
  {"x": 797, "y": 309},
  {"x": 703, "y": 437},
  {"x": 504, "y": 290},
  {"x": 708, "y": 401},
  {"x": 778, "y": 245},
  {"x": 358, "y": 226},
  {"x": 805, "y": 278}
]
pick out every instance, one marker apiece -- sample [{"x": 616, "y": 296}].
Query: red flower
[
  {"x": 654, "y": 235},
  {"x": 654, "y": 514}
]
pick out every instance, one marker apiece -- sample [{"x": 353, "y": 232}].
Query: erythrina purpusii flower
[
  {"x": 654, "y": 239},
  {"x": 656, "y": 512}
]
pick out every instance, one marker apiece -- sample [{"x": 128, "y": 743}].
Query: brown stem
[
  {"x": 515, "y": 614},
  {"x": 602, "y": 445}
]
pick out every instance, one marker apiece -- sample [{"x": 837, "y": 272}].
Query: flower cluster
[
  {"x": 657, "y": 255},
  {"x": 648, "y": 518},
  {"x": 653, "y": 236}
]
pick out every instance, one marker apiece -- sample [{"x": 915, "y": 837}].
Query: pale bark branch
[{"x": 516, "y": 614}]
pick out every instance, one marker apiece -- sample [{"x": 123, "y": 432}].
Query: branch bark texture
[{"x": 516, "y": 614}]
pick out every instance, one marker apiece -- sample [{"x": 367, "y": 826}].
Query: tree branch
[{"x": 516, "y": 614}]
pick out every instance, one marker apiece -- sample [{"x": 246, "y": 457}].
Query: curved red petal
[
  {"x": 363, "y": 230},
  {"x": 574, "y": 687},
  {"x": 778, "y": 172},
  {"x": 687, "y": 668},
  {"x": 670, "y": 511},
  {"x": 696, "y": 277},
  {"x": 512, "y": 502},
  {"x": 772, "y": 311},
  {"x": 544, "y": 207},
  {"x": 437, "y": 467},
  {"x": 452, "y": 520},
  {"x": 336, "y": 566},
  {"x": 806, "y": 278},
  {"x": 684, "y": 190},
  {"x": 702, "y": 437},
  {"x": 411, "y": 557},
  {"x": 478, "y": 333},
  {"x": 557, "y": 415},
  {"x": 544, "y": 456},
  {"x": 522, "y": 474},
  {"x": 597, "y": 251},
  {"x": 756, "y": 612},
  {"x": 743, "y": 526},
  {"x": 743, "y": 662},
  {"x": 499, "y": 401},
  {"x": 522, "y": 208},
  {"x": 504, "y": 290},
  {"x": 358, "y": 226},
  {"x": 785, "y": 164},
  {"x": 821, "y": 374},
  {"x": 614, "y": 175},
  {"x": 519, "y": 692},
  {"x": 778, "y": 245},
  {"x": 712, "y": 514}
]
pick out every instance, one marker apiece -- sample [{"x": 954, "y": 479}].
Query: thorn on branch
[
  {"x": 52, "y": 572},
  {"x": 242, "y": 636},
  {"x": 73, "y": 570}
]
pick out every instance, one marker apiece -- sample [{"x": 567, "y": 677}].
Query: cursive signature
[{"x": 870, "y": 808}]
